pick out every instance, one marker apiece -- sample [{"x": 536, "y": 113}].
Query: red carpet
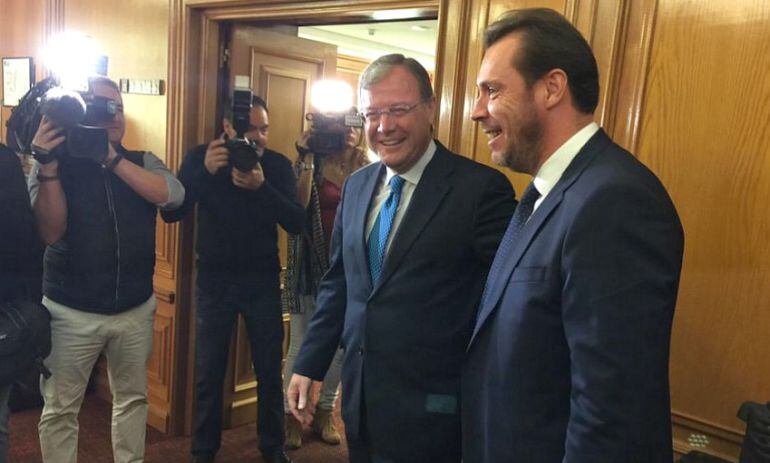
[{"x": 238, "y": 445}]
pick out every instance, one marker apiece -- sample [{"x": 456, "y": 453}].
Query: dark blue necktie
[
  {"x": 378, "y": 238},
  {"x": 519, "y": 219}
]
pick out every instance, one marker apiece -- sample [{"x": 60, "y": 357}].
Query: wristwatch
[
  {"x": 42, "y": 156},
  {"x": 305, "y": 165}
]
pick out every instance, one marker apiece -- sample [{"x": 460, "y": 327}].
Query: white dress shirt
[
  {"x": 411, "y": 179},
  {"x": 553, "y": 168}
]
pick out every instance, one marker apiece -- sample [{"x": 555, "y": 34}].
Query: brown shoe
[
  {"x": 323, "y": 424},
  {"x": 293, "y": 433}
]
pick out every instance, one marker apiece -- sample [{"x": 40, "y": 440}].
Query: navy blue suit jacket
[
  {"x": 405, "y": 337},
  {"x": 569, "y": 356}
]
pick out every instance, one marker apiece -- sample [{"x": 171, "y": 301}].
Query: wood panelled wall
[{"x": 705, "y": 129}]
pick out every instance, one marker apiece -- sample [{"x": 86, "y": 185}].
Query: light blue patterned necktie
[{"x": 378, "y": 238}]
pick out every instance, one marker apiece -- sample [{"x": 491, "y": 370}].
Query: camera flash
[
  {"x": 72, "y": 57},
  {"x": 331, "y": 96}
]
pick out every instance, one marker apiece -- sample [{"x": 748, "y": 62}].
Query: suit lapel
[
  {"x": 425, "y": 201},
  {"x": 361, "y": 214},
  {"x": 497, "y": 283}
]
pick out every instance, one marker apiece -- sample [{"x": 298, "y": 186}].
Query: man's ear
[{"x": 555, "y": 87}]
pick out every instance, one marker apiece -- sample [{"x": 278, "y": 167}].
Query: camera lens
[{"x": 243, "y": 155}]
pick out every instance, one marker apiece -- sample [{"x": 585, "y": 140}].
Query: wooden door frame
[{"x": 194, "y": 49}]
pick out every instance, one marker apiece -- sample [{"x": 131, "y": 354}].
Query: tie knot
[
  {"x": 396, "y": 182},
  {"x": 530, "y": 196}
]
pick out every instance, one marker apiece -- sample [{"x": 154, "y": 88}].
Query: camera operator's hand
[
  {"x": 302, "y": 144},
  {"x": 251, "y": 180},
  {"x": 217, "y": 156},
  {"x": 47, "y": 137}
]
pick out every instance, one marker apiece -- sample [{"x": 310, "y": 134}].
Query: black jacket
[
  {"x": 237, "y": 227},
  {"x": 105, "y": 261},
  {"x": 20, "y": 247}
]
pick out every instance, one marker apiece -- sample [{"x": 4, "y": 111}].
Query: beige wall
[
  {"x": 21, "y": 34},
  {"x": 134, "y": 34}
]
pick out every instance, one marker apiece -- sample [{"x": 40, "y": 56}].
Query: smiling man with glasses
[{"x": 412, "y": 243}]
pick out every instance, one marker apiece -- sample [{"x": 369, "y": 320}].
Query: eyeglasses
[{"x": 397, "y": 111}]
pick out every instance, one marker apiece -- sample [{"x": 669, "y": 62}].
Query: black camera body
[
  {"x": 330, "y": 130},
  {"x": 76, "y": 112},
  {"x": 244, "y": 155}
]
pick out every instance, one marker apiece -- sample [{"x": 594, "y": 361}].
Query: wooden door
[{"x": 282, "y": 69}]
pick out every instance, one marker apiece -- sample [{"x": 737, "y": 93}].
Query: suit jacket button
[{"x": 360, "y": 351}]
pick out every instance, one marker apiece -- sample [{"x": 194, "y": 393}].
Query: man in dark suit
[
  {"x": 569, "y": 357},
  {"x": 412, "y": 243}
]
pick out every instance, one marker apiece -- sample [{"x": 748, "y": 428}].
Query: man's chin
[{"x": 501, "y": 159}]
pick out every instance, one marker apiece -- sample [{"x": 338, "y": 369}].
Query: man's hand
[
  {"x": 111, "y": 154},
  {"x": 217, "y": 156},
  {"x": 251, "y": 180},
  {"x": 298, "y": 396},
  {"x": 47, "y": 138}
]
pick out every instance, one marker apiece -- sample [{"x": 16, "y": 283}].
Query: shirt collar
[
  {"x": 414, "y": 173},
  {"x": 553, "y": 168}
]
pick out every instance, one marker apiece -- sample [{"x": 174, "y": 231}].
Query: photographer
[
  {"x": 238, "y": 273},
  {"x": 20, "y": 252},
  {"x": 320, "y": 179},
  {"x": 99, "y": 223}
]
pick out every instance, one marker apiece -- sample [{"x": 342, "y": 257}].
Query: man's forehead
[
  {"x": 258, "y": 116},
  {"x": 107, "y": 91},
  {"x": 498, "y": 60}
]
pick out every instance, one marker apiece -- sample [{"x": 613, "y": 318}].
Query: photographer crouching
[
  {"x": 97, "y": 216},
  {"x": 327, "y": 155},
  {"x": 243, "y": 191}
]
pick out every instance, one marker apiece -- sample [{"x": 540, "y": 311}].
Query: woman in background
[{"x": 319, "y": 186}]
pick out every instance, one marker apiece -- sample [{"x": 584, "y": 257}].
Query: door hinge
[{"x": 224, "y": 57}]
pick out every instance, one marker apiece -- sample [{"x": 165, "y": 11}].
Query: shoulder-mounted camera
[
  {"x": 329, "y": 130},
  {"x": 76, "y": 112}
]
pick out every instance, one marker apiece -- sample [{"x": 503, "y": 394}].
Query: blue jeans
[
  {"x": 5, "y": 393},
  {"x": 219, "y": 301}
]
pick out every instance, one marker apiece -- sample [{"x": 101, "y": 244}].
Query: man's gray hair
[{"x": 379, "y": 68}]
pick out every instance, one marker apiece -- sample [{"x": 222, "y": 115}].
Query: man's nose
[
  {"x": 479, "y": 110},
  {"x": 387, "y": 122}
]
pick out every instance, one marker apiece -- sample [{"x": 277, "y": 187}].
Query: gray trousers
[{"x": 78, "y": 338}]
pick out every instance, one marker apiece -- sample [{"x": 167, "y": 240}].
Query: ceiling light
[{"x": 388, "y": 15}]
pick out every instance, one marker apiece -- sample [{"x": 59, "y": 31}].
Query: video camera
[
  {"x": 329, "y": 130},
  {"x": 76, "y": 112},
  {"x": 243, "y": 152}
]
